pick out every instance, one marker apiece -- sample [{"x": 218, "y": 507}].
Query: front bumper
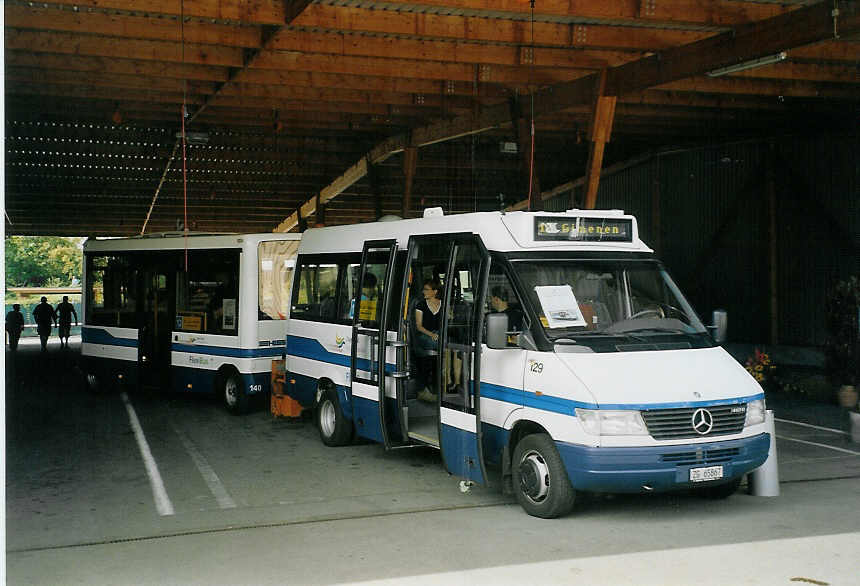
[{"x": 659, "y": 469}]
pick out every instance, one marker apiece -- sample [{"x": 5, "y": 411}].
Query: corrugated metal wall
[{"x": 706, "y": 213}]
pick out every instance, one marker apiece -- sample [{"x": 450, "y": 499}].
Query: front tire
[
  {"x": 334, "y": 428},
  {"x": 233, "y": 395},
  {"x": 540, "y": 480}
]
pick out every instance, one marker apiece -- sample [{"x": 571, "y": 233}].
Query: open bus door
[
  {"x": 156, "y": 321},
  {"x": 369, "y": 339},
  {"x": 461, "y": 263}
]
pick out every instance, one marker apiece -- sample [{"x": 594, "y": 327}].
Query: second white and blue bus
[{"x": 196, "y": 313}]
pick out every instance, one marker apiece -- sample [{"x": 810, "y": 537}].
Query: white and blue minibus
[
  {"x": 564, "y": 355},
  {"x": 187, "y": 312}
]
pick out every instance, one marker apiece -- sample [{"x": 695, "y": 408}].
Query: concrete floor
[{"x": 257, "y": 500}]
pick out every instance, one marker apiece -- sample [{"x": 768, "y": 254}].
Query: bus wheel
[
  {"x": 539, "y": 478},
  {"x": 93, "y": 382},
  {"x": 721, "y": 491},
  {"x": 334, "y": 428},
  {"x": 233, "y": 394}
]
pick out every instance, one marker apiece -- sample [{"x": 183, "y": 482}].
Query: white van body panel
[{"x": 637, "y": 380}]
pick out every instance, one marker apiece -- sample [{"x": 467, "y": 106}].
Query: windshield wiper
[{"x": 663, "y": 330}]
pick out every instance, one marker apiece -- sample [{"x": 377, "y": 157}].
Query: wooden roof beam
[
  {"x": 108, "y": 65},
  {"x": 96, "y": 46},
  {"x": 433, "y": 70},
  {"x": 704, "y": 12},
  {"x": 448, "y": 51},
  {"x": 760, "y": 87},
  {"x": 428, "y": 25},
  {"x": 259, "y": 12},
  {"x": 52, "y": 18}
]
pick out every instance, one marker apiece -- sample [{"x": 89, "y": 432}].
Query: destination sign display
[{"x": 548, "y": 228}]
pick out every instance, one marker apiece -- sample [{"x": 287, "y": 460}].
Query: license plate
[{"x": 706, "y": 474}]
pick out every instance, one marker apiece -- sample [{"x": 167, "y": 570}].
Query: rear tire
[
  {"x": 93, "y": 383},
  {"x": 232, "y": 393},
  {"x": 98, "y": 383},
  {"x": 539, "y": 478},
  {"x": 721, "y": 491},
  {"x": 334, "y": 428}
]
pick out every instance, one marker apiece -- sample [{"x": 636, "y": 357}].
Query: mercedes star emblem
[{"x": 703, "y": 421}]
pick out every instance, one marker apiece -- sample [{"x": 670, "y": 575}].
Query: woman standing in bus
[{"x": 427, "y": 322}]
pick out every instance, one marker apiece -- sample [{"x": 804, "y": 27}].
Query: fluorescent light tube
[{"x": 748, "y": 64}]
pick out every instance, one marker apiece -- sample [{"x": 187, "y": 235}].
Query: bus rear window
[{"x": 277, "y": 259}]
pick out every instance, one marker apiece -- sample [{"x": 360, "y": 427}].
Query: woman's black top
[{"x": 429, "y": 320}]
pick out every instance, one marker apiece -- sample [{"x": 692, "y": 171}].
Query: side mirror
[
  {"x": 721, "y": 325},
  {"x": 497, "y": 330}
]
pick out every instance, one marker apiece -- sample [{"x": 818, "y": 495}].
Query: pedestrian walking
[
  {"x": 65, "y": 310},
  {"x": 14, "y": 326},
  {"x": 45, "y": 317}
]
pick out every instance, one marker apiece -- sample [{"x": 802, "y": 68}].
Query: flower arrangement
[{"x": 760, "y": 366}]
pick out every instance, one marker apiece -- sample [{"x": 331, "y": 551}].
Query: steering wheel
[{"x": 657, "y": 312}]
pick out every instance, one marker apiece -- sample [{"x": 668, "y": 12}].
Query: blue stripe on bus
[
  {"x": 567, "y": 406},
  {"x": 92, "y": 335},
  {"x": 311, "y": 349},
  {"x": 230, "y": 352}
]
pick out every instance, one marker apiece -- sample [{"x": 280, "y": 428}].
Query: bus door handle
[{"x": 399, "y": 359}]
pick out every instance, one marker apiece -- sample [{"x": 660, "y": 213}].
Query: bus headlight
[
  {"x": 606, "y": 422},
  {"x": 755, "y": 413}
]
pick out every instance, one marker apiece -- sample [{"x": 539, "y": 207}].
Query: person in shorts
[
  {"x": 65, "y": 311},
  {"x": 44, "y": 316}
]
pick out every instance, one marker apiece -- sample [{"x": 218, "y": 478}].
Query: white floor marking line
[
  {"x": 162, "y": 501},
  {"x": 216, "y": 487},
  {"x": 830, "y": 429},
  {"x": 791, "y": 439}
]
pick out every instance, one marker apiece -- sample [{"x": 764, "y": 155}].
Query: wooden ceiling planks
[{"x": 305, "y": 89}]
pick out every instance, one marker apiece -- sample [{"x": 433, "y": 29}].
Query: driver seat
[{"x": 588, "y": 294}]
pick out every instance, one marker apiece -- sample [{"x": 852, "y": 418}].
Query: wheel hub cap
[
  {"x": 327, "y": 418},
  {"x": 534, "y": 476},
  {"x": 230, "y": 392}
]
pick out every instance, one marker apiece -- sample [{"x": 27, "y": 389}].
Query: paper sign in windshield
[{"x": 559, "y": 306}]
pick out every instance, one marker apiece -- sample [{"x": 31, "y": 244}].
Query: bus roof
[
  {"x": 177, "y": 241},
  {"x": 596, "y": 230}
]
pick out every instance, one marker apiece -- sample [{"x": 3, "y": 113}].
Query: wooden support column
[
  {"x": 600, "y": 129},
  {"x": 303, "y": 224},
  {"x": 410, "y": 163},
  {"x": 320, "y": 213},
  {"x": 773, "y": 251},
  {"x": 373, "y": 178},
  {"x": 522, "y": 126}
]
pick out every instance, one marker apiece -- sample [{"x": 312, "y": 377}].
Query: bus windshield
[{"x": 582, "y": 300}]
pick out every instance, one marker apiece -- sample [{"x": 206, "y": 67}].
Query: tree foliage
[{"x": 42, "y": 261}]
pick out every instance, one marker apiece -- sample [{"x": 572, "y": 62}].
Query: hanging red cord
[{"x": 532, "y": 161}]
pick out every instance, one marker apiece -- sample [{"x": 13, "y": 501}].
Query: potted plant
[{"x": 843, "y": 342}]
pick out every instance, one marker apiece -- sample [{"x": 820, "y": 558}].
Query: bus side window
[
  {"x": 314, "y": 297},
  {"x": 207, "y": 295},
  {"x": 111, "y": 288},
  {"x": 501, "y": 298}
]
